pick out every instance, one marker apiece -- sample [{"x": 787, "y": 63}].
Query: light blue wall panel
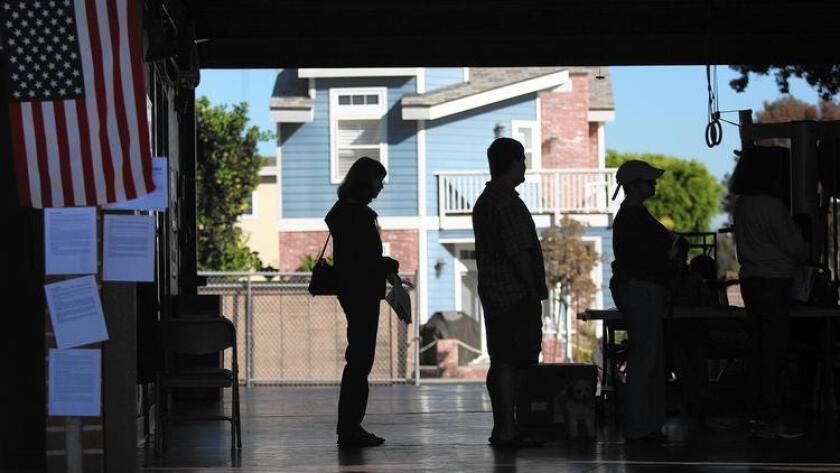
[
  {"x": 461, "y": 233},
  {"x": 438, "y": 77},
  {"x": 606, "y": 261},
  {"x": 307, "y": 191},
  {"x": 459, "y": 142},
  {"x": 441, "y": 287}
]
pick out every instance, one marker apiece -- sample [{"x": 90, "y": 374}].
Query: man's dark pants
[
  {"x": 515, "y": 336},
  {"x": 514, "y": 340},
  {"x": 362, "y": 322}
]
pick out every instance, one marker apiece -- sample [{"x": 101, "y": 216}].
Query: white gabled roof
[{"x": 477, "y": 92}]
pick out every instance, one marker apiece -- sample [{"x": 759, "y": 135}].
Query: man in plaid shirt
[{"x": 511, "y": 285}]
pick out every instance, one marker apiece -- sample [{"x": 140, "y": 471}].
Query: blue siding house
[{"x": 430, "y": 127}]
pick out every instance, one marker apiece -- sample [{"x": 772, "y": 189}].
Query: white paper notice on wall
[
  {"x": 76, "y": 312},
  {"x": 70, "y": 240},
  {"x": 128, "y": 249},
  {"x": 75, "y": 383},
  {"x": 158, "y": 199}
]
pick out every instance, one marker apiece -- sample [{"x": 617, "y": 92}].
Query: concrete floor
[{"x": 444, "y": 427}]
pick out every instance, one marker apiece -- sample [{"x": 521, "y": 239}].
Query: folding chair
[{"x": 197, "y": 337}]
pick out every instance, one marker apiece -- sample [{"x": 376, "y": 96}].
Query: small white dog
[{"x": 580, "y": 409}]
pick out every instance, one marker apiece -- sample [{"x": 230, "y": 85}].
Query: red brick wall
[
  {"x": 593, "y": 144},
  {"x": 294, "y": 245},
  {"x": 403, "y": 248},
  {"x": 566, "y": 134}
]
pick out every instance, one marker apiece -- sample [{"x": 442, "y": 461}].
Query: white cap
[{"x": 634, "y": 170}]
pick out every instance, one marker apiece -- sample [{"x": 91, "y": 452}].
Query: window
[
  {"x": 357, "y": 128},
  {"x": 528, "y": 133},
  {"x": 386, "y": 249},
  {"x": 248, "y": 210}
]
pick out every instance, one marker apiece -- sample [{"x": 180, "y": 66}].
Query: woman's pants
[
  {"x": 768, "y": 302},
  {"x": 362, "y": 321},
  {"x": 642, "y": 304}
]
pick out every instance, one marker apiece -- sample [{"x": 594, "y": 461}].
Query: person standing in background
[
  {"x": 769, "y": 247},
  {"x": 362, "y": 271},
  {"x": 642, "y": 270},
  {"x": 511, "y": 286}
]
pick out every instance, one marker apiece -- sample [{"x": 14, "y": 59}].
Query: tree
[
  {"x": 569, "y": 262},
  {"x": 786, "y": 109},
  {"x": 227, "y": 172},
  {"x": 687, "y": 195},
  {"x": 823, "y": 77}
]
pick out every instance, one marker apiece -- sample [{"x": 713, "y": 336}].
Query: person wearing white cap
[{"x": 643, "y": 249}]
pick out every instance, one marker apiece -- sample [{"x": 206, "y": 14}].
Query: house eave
[
  {"x": 462, "y": 104},
  {"x": 601, "y": 115},
  {"x": 292, "y": 115}
]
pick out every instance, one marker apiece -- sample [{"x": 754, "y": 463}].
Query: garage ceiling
[{"x": 318, "y": 33}]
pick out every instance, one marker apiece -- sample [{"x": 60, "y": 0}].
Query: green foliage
[
  {"x": 687, "y": 195},
  {"x": 823, "y": 77},
  {"x": 307, "y": 263},
  {"x": 586, "y": 340},
  {"x": 227, "y": 171}
]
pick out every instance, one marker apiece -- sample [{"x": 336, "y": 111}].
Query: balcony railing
[{"x": 553, "y": 191}]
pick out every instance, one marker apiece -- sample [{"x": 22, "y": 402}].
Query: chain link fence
[{"x": 287, "y": 337}]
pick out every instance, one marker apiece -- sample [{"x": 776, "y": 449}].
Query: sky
[{"x": 659, "y": 109}]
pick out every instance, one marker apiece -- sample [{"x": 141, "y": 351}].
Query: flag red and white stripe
[{"x": 92, "y": 149}]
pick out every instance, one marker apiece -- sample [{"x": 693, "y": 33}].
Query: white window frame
[
  {"x": 361, "y": 112},
  {"x": 253, "y": 214},
  {"x": 536, "y": 140}
]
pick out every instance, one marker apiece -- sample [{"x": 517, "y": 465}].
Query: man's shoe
[
  {"x": 655, "y": 437},
  {"x": 787, "y": 431},
  {"x": 359, "y": 439},
  {"x": 659, "y": 437}
]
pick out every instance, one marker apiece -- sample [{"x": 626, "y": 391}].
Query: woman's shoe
[{"x": 516, "y": 442}]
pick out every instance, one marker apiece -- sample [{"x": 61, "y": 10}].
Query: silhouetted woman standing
[
  {"x": 770, "y": 247},
  {"x": 362, "y": 271},
  {"x": 641, "y": 271}
]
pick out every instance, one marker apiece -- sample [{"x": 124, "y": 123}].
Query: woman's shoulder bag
[{"x": 324, "y": 280}]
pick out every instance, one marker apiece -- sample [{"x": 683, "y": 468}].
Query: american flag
[{"x": 77, "y": 102}]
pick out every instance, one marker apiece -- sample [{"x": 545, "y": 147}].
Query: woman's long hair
[
  {"x": 763, "y": 170},
  {"x": 358, "y": 183}
]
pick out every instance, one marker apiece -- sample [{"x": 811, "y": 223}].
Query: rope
[{"x": 714, "y": 130}]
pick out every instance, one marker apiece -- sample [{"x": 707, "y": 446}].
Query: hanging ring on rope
[{"x": 714, "y": 133}]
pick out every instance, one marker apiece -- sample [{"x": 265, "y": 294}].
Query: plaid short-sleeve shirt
[{"x": 504, "y": 227}]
